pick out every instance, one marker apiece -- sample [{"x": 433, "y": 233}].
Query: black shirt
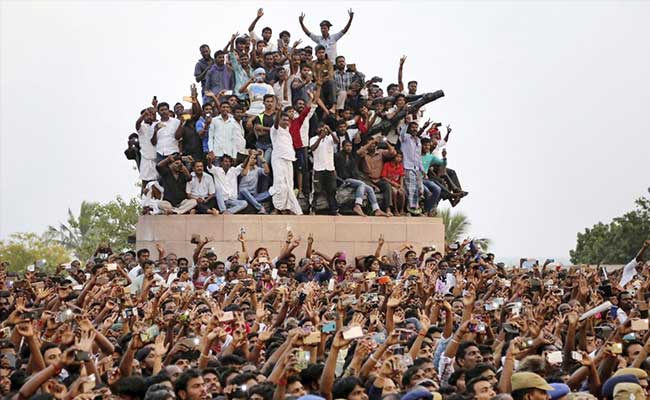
[
  {"x": 267, "y": 121},
  {"x": 174, "y": 187},
  {"x": 192, "y": 142},
  {"x": 347, "y": 167}
]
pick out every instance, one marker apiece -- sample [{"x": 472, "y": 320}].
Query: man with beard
[
  {"x": 144, "y": 128},
  {"x": 174, "y": 178},
  {"x": 191, "y": 386},
  {"x": 219, "y": 77},
  {"x": 166, "y": 133},
  {"x": 267, "y": 33},
  {"x": 326, "y": 40},
  {"x": 201, "y": 188}
]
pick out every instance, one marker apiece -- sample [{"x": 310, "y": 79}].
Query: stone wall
[{"x": 353, "y": 234}]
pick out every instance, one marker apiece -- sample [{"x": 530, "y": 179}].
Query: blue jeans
[
  {"x": 229, "y": 206},
  {"x": 361, "y": 188},
  {"x": 431, "y": 194},
  {"x": 253, "y": 199}
]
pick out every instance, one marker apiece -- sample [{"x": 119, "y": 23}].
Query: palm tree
[
  {"x": 457, "y": 226},
  {"x": 75, "y": 232}
]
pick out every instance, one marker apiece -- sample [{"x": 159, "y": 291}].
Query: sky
[{"x": 547, "y": 100}]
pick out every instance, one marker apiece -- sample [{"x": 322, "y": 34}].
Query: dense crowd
[
  {"x": 409, "y": 324},
  {"x": 274, "y": 127}
]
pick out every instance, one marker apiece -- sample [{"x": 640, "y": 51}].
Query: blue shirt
[
  {"x": 200, "y": 124},
  {"x": 411, "y": 149},
  {"x": 241, "y": 76},
  {"x": 249, "y": 181}
]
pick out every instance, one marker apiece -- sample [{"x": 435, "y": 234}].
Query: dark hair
[
  {"x": 337, "y": 58},
  {"x": 478, "y": 371},
  {"x": 344, "y": 386},
  {"x": 462, "y": 348},
  {"x": 203, "y": 46},
  {"x": 268, "y": 96},
  {"x": 416, "y": 82},
  {"x": 455, "y": 376},
  {"x": 158, "y": 378},
  {"x": 390, "y": 86},
  {"x": 266, "y": 390},
  {"x": 285, "y": 33},
  {"x": 305, "y": 65},
  {"x": 148, "y": 262},
  {"x": 231, "y": 359},
  {"x": 408, "y": 375},
  {"x": 266, "y": 28},
  {"x": 218, "y": 53},
  {"x": 163, "y": 104},
  {"x": 243, "y": 377},
  {"x": 316, "y": 50},
  {"x": 47, "y": 346},
  {"x": 131, "y": 386},
  {"x": 310, "y": 376},
  {"x": 184, "y": 379},
  {"x": 240, "y": 40},
  {"x": 470, "y": 384},
  {"x": 346, "y": 141},
  {"x": 519, "y": 394},
  {"x": 182, "y": 258},
  {"x": 237, "y": 107},
  {"x": 397, "y": 96}
]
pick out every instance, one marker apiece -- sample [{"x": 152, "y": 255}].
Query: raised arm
[
  {"x": 260, "y": 14},
  {"x": 400, "y": 82},
  {"x": 301, "y": 19},
  {"x": 347, "y": 26}
]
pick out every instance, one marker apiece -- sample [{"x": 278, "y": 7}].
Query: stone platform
[{"x": 353, "y": 234}]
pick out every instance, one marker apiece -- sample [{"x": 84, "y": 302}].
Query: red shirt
[
  {"x": 393, "y": 172},
  {"x": 294, "y": 128}
]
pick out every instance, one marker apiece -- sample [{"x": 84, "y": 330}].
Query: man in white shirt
[
  {"x": 269, "y": 46},
  {"x": 322, "y": 147},
  {"x": 327, "y": 40},
  {"x": 284, "y": 199},
  {"x": 256, "y": 89},
  {"x": 201, "y": 188},
  {"x": 166, "y": 133},
  {"x": 144, "y": 128},
  {"x": 225, "y": 135},
  {"x": 225, "y": 181},
  {"x": 629, "y": 271},
  {"x": 282, "y": 88}
]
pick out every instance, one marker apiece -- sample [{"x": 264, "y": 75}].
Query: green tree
[
  {"x": 23, "y": 249},
  {"x": 616, "y": 242},
  {"x": 111, "y": 223},
  {"x": 457, "y": 226}
]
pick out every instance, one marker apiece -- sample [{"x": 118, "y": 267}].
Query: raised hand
[
  {"x": 402, "y": 60},
  {"x": 301, "y": 18},
  {"x": 351, "y": 13},
  {"x": 159, "y": 347},
  {"x": 381, "y": 241},
  {"x": 85, "y": 342},
  {"x": 260, "y": 13}
]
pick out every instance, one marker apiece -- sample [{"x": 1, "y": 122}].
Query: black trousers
[
  {"x": 202, "y": 208},
  {"x": 325, "y": 181},
  {"x": 387, "y": 193}
]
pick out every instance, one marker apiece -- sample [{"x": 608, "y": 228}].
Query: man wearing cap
[
  {"x": 257, "y": 89},
  {"x": 529, "y": 386},
  {"x": 327, "y": 40}
]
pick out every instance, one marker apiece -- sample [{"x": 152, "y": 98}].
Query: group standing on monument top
[{"x": 274, "y": 127}]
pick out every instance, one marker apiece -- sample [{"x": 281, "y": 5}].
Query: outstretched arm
[
  {"x": 301, "y": 19},
  {"x": 260, "y": 14},
  {"x": 400, "y": 82},
  {"x": 347, "y": 26}
]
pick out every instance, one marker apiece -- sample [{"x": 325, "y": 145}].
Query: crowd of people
[
  {"x": 274, "y": 127},
  {"x": 411, "y": 324}
]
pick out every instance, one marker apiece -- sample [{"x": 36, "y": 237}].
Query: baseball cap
[
  {"x": 529, "y": 380},
  {"x": 638, "y": 372},
  {"x": 325, "y": 22},
  {"x": 559, "y": 390},
  {"x": 607, "y": 390},
  {"x": 629, "y": 391},
  {"x": 418, "y": 394}
]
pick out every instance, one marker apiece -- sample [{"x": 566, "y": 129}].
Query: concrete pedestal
[{"x": 355, "y": 235}]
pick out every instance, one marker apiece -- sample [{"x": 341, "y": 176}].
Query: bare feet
[
  {"x": 379, "y": 213},
  {"x": 357, "y": 210},
  {"x": 213, "y": 211},
  {"x": 192, "y": 211},
  {"x": 389, "y": 213}
]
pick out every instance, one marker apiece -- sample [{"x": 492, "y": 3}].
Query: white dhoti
[
  {"x": 148, "y": 171},
  {"x": 282, "y": 190}
]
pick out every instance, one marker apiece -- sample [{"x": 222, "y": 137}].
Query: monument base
[{"x": 355, "y": 235}]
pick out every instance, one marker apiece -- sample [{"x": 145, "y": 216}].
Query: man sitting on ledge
[{"x": 174, "y": 178}]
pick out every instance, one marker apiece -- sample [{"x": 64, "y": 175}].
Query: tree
[
  {"x": 23, "y": 249},
  {"x": 616, "y": 242},
  {"x": 457, "y": 226},
  {"x": 111, "y": 223}
]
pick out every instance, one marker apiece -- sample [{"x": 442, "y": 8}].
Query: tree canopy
[
  {"x": 23, "y": 249},
  {"x": 616, "y": 242}
]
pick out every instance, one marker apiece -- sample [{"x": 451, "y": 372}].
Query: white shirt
[
  {"x": 147, "y": 150},
  {"x": 324, "y": 153},
  {"x": 226, "y": 181},
  {"x": 270, "y": 46},
  {"x": 629, "y": 272},
  {"x": 200, "y": 188},
  {"x": 226, "y": 137},
  {"x": 167, "y": 143},
  {"x": 278, "y": 89},
  {"x": 437, "y": 152},
  {"x": 256, "y": 93},
  {"x": 304, "y": 128},
  {"x": 329, "y": 43},
  {"x": 282, "y": 144}
]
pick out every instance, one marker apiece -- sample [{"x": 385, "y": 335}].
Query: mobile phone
[
  {"x": 404, "y": 335},
  {"x": 5, "y": 293},
  {"x": 476, "y": 328},
  {"x": 303, "y": 358},
  {"x": 616, "y": 348},
  {"x": 111, "y": 267},
  {"x": 302, "y": 297},
  {"x": 150, "y": 334},
  {"x": 327, "y": 328},
  {"x": 263, "y": 260},
  {"x": 312, "y": 338},
  {"x": 357, "y": 275},
  {"x": 187, "y": 98},
  {"x": 81, "y": 356},
  {"x": 640, "y": 324},
  {"x": 554, "y": 357},
  {"x": 383, "y": 280},
  {"x": 5, "y": 332},
  {"x": 227, "y": 316},
  {"x": 397, "y": 350},
  {"x": 576, "y": 356},
  {"x": 31, "y": 315},
  {"x": 127, "y": 313},
  {"x": 353, "y": 332},
  {"x": 526, "y": 343},
  {"x": 195, "y": 238},
  {"x": 186, "y": 117}
]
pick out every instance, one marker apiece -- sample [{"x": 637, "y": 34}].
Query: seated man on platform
[
  {"x": 372, "y": 162},
  {"x": 225, "y": 180},
  {"x": 249, "y": 178},
  {"x": 201, "y": 188},
  {"x": 174, "y": 178}
]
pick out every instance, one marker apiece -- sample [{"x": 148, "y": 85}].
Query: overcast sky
[{"x": 548, "y": 100}]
